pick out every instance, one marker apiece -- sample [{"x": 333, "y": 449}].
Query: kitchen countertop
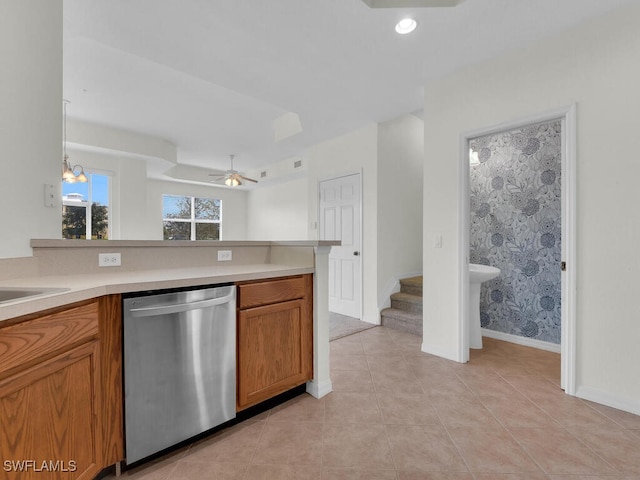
[{"x": 86, "y": 286}]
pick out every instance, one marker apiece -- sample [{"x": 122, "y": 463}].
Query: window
[
  {"x": 191, "y": 218},
  {"x": 85, "y": 208}
]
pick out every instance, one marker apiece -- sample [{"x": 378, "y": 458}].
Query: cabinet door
[
  {"x": 274, "y": 350},
  {"x": 49, "y": 413}
]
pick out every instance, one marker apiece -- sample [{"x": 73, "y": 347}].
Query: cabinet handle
[
  {"x": 356, "y": 253},
  {"x": 182, "y": 307}
]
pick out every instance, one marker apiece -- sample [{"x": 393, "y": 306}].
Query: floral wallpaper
[{"x": 515, "y": 226}]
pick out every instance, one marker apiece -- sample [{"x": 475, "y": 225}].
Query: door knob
[{"x": 356, "y": 253}]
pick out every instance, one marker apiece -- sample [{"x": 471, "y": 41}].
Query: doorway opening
[{"x": 534, "y": 297}]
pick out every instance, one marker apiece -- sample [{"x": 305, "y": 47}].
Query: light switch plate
[{"x": 50, "y": 196}]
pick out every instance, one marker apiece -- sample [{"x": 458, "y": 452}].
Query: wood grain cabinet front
[
  {"x": 275, "y": 337},
  {"x": 60, "y": 418}
]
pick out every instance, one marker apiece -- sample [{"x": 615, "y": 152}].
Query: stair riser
[
  {"x": 405, "y": 313},
  {"x": 407, "y": 306},
  {"x": 411, "y": 289},
  {"x": 402, "y": 325}
]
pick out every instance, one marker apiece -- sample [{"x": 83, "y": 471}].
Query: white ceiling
[{"x": 211, "y": 76}]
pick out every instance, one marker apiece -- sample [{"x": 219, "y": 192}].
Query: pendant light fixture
[{"x": 68, "y": 172}]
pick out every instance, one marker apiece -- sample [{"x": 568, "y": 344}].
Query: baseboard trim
[
  {"x": 527, "y": 342},
  {"x": 605, "y": 398},
  {"x": 319, "y": 390},
  {"x": 438, "y": 352}
]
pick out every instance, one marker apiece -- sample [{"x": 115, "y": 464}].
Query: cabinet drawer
[
  {"x": 255, "y": 294},
  {"x": 23, "y": 343}
]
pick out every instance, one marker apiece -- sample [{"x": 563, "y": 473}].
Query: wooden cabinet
[
  {"x": 60, "y": 393},
  {"x": 275, "y": 337},
  {"x": 61, "y": 397}
]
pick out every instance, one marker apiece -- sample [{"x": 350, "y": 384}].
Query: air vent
[
  {"x": 297, "y": 164},
  {"x": 263, "y": 174}
]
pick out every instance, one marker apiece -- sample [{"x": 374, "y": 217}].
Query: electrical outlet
[
  {"x": 224, "y": 255},
  {"x": 109, "y": 260}
]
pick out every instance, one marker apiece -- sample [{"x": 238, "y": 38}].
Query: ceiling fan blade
[{"x": 223, "y": 176}]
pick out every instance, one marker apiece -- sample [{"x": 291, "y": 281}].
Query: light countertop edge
[
  {"x": 59, "y": 243},
  {"x": 88, "y": 286}
]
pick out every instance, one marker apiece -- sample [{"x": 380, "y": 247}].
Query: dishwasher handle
[{"x": 181, "y": 307}]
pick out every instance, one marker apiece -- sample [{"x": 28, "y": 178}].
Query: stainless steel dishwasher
[{"x": 179, "y": 366}]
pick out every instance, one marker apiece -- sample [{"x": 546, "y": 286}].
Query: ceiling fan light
[
  {"x": 406, "y": 25},
  {"x": 231, "y": 182}
]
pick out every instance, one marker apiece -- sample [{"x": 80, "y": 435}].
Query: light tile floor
[{"x": 397, "y": 413}]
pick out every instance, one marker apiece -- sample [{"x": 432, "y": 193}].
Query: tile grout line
[
  {"x": 459, "y": 374},
  {"x": 443, "y": 424},
  {"x": 175, "y": 466},
  {"x": 376, "y": 392},
  {"x": 563, "y": 427},
  {"x": 384, "y": 425},
  {"x": 506, "y": 429},
  {"x": 455, "y": 445},
  {"x": 255, "y": 449}
]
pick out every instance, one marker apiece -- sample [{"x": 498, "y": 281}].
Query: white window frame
[
  {"x": 89, "y": 201},
  {"x": 193, "y": 220}
]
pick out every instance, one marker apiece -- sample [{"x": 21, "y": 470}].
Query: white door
[{"x": 339, "y": 219}]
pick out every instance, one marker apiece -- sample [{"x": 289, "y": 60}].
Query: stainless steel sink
[{"x": 9, "y": 294}]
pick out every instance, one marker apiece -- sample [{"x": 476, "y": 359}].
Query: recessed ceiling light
[{"x": 406, "y": 25}]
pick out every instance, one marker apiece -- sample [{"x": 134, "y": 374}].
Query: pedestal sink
[{"x": 477, "y": 275}]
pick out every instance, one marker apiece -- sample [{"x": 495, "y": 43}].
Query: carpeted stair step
[
  {"x": 407, "y": 302},
  {"x": 411, "y": 285},
  {"x": 404, "y": 321}
]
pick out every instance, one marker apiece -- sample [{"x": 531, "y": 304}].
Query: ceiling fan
[{"x": 231, "y": 177}]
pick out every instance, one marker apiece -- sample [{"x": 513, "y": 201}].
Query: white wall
[
  {"x": 389, "y": 156},
  {"x": 595, "y": 65},
  {"x": 30, "y": 122},
  {"x": 278, "y": 211},
  {"x": 128, "y": 184},
  {"x": 136, "y": 200},
  {"x": 400, "y": 159},
  {"x": 128, "y": 157},
  {"x": 133, "y": 218},
  {"x": 352, "y": 153},
  {"x": 234, "y": 207}
]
